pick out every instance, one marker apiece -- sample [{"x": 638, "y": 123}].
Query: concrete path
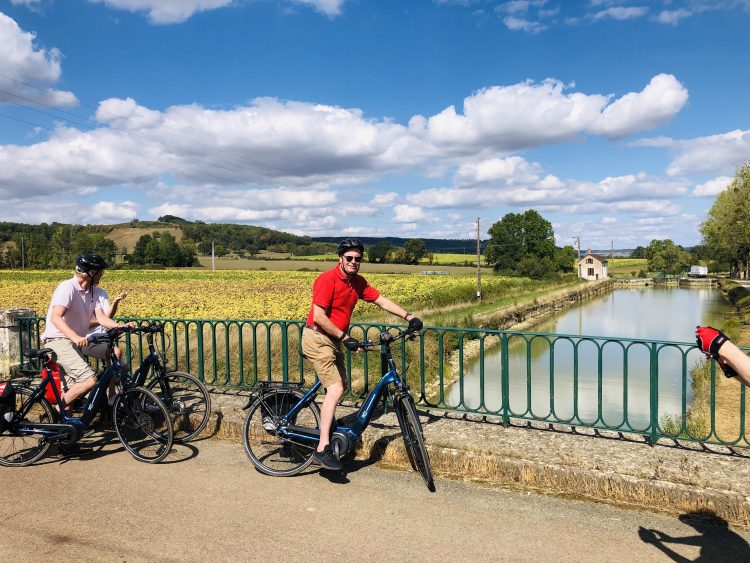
[{"x": 209, "y": 504}]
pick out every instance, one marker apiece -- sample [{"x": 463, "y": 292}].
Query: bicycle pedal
[{"x": 268, "y": 424}]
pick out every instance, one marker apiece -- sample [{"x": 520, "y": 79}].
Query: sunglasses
[{"x": 357, "y": 259}]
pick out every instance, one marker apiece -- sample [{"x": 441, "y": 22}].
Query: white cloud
[
  {"x": 165, "y": 11},
  {"x": 513, "y": 169},
  {"x": 112, "y": 212},
  {"x": 620, "y": 13},
  {"x": 330, "y": 8},
  {"x": 712, "y": 187},
  {"x": 177, "y": 11},
  {"x": 521, "y": 24},
  {"x": 653, "y": 106},
  {"x": 409, "y": 214},
  {"x": 384, "y": 200},
  {"x": 672, "y": 17},
  {"x": 721, "y": 153},
  {"x": 27, "y": 70}
]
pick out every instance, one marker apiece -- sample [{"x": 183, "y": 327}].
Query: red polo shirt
[{"x": 338, "y": 295}]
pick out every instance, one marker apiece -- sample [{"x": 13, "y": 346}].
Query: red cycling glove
[{"x": 710, "y": 340}]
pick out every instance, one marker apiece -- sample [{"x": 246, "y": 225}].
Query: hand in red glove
[{"x": 709, "y": 340}]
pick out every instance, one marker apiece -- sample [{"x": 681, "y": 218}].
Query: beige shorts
[
  {"x": 74, "y": 366},
  {"x": 326, "y": 356}
]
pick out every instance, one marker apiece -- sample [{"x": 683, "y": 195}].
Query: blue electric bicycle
[{"x": 282, "y": 427}]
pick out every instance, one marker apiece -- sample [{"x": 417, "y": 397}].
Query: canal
[{"x": 556, "y": 375}]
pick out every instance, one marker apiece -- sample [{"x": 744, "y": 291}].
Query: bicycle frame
[
  {"x": 364, "y": 415},
  {"x": 96, "y": 401}
]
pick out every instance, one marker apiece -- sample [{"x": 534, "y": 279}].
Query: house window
[
  {"x": 591, "y": 272},
  {"x": 589, "y": 260}
]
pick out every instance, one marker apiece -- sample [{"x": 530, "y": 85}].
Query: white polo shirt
[{"x": 80, "y": 307}]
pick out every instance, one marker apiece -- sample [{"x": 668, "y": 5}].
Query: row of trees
[
  {"x": 726, "y": 231},
  {"x": 162, "y": 249},
  {"x": 412, "y": 252},
  {"x": 55, "y": 247}
]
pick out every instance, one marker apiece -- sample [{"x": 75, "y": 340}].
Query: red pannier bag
[{"x": 54, "y": 369}]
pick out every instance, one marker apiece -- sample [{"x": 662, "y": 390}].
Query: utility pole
[
  {"x": 23, "y": 263},
  {"x": 578, "y": 240},
  {"x": 479, "y": 265},
  {"x": 213, "y": 261}
]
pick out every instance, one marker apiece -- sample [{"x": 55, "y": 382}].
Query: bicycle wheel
[
  {"x": 143, "y": 424},
  {"x": 271, "y": 454},
  {"x": 17, "y": 450},
  {"x": 187, "y": 401},
  {"x": 411, "y": 429}
]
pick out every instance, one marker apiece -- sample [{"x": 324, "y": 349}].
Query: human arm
[
  {"x": 388, "y": 305},
  {"x": 717, "y": 345},
  {"x": 105, "y": 321},
  {"x": 59, "y": 322},
  {"x": 115, "y": 304},
  {"x": 320, "y": 318}
]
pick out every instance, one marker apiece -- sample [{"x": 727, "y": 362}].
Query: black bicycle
[
  {"x": 282, "y": 426},
  {"x": 141, "y": 420},
  {"x": 184, "y": 395}
]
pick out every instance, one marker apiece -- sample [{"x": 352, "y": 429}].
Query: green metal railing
[{"x": 658, "y": 389}]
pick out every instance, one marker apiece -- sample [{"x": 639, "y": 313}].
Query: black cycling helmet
[
  {"x": 87, "y": 262},
  {"x": 349, "y": 244}
]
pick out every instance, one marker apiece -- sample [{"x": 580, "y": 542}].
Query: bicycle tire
[
  {"x": 143, "y": 424},
  {"x": 269, "y": 453},
  {"x": 411, "y": 430},
  {"x": 187, "y": 401},
  {"x": 18, "y": 450}
]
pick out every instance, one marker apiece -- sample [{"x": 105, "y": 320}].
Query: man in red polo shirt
[{"x": 335, "y": 293}]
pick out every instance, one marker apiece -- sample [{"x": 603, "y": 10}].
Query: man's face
[
  {"x": 350, "y": 261},
  {"x": 96, "y": 276}
]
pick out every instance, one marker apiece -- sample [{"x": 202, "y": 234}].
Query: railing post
[
  {"x": 505, "y": 378},
  {"x": 11, "y": 337},
  {"x": 653, "y": 395},
  {"x": 201, "y": 374},
  {"x": 284, "y": 353}
]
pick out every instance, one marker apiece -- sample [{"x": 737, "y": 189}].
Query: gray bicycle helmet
[
  {"x": 88, "y": 262},
  {"x": 349, "y": 244}
]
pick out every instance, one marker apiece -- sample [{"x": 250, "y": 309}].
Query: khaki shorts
[
  {"x": 74, "y": 366},
  {"x": 100, "y": 350},
  {"x": 326, "y": 357}
]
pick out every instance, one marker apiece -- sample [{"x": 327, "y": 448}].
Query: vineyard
[{"x": 200, "y": 294}]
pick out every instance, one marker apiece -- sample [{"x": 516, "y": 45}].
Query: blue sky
[{"x": 619, "y": 121}]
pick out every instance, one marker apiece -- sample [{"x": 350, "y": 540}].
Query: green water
[{"x": 545, "y": 388}]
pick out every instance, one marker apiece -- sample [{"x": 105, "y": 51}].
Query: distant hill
[{"x": 448, "y": 246}]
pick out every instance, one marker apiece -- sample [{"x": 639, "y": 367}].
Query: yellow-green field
[
  {"x": 626, "y": 265},
  {"x": 252, "y": 294}
]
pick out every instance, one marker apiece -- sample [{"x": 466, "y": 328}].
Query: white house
[{"x": 592, "y": 267}]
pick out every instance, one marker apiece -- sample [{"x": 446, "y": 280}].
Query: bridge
[{"x": 569, "y": 442}]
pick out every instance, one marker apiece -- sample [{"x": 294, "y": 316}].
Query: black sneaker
[{"x": 327, "y": 459}]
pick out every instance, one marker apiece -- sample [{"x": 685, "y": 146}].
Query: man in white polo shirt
[{"x": 75, "y": 303}]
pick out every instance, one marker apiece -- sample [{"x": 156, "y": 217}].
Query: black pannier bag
[{"x": 7, "y": 404}]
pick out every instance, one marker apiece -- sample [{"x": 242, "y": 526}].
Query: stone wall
[{"x": 10, "y": 352}]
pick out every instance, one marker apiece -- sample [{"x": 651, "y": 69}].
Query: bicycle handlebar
[
  {"x": 388, "y": 338},
  {"x": 113, "y": 334}
]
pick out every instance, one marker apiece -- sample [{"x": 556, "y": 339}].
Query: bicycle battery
[{"x": 54, "y": 369}]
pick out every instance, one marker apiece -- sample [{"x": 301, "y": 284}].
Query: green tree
[
  {"x": 565, "y": 259},
  {"x": 726, "y": 232},
  {"x": 415, "y": 250},
  {"x": 378, "y": 252},
  {"x": 667, "y": 257},
  {"x": 519, "y": 236}
]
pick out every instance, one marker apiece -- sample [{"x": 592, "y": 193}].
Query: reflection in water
[{"x": 622, "y": 398}]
